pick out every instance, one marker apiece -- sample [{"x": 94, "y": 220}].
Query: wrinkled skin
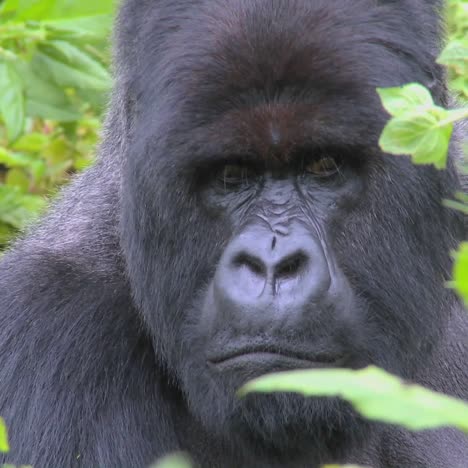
[{"x": 241, "y": 219}]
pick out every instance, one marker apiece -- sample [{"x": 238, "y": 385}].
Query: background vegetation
[{"x": 54, "y": 80}]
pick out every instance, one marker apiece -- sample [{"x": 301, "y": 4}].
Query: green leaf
[
  {"x": 402, "y": 99},
  {"x": 420, "y": 135},
  {"x": 12, "y": 159},
  {"x": 45, "y": 99},
  {"x": 32, "y": 142},
  {"x": 455, "y": 56},
  {"x": 4, "y": 447},
  {"x": 39, "y": 10},
  {"x": 51, "y": 112},
  {"x": 73, "y": 8},
  {"x": 18, "y": 178},
  {"x": 418, "y": 128},
  {"x": 85, "y": 29},
  {"x": 17, "y": 209},
  {"x": 11, "y": 101},
  {"x": 173, "y": 461},
  {"x": 460, "y": 272},
  {"x": 68, "y": 66},
  {"x": 8, "y": 9},
  {"x": 33, "y": 9},
  {"x": 374, "y": 393}
]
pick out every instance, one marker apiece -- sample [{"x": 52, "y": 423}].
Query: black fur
[{"x": 107, "y": 309}]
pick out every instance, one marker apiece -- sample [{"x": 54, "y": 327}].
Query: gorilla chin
[
  {"x": 284, "y": 423},
  {"x": 293, "y": 414}
]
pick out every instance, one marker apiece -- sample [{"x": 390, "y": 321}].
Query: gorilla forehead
[{"x": 275, "y": 67}]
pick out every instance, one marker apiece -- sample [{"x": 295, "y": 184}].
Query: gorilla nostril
[
  {"x": 291, "y": 265},
  {"x": 254, "y": 264}
]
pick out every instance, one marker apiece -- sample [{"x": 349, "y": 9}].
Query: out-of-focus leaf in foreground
[
  {"x": 4, "y": 447},
  {"x": 374, "y": 393},
  {"x": 460, "y": 272},
  {"x": 177, "y": 460}
]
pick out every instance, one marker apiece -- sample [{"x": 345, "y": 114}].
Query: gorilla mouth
[{"x": 281, "y": 359}]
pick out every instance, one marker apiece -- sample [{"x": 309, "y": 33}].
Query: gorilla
[{"x": 240, "y": 220}]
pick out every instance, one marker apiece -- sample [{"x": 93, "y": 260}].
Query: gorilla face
[
  {"x": 277, "y": 299},
  {"x": 263, "y": 229}
]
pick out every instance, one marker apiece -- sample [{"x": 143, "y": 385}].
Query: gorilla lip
[{"x": 286, "y": 358}]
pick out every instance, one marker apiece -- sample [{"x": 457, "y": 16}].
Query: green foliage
[
  {"x": 411, "y": 406},
  {"x": 54, "y": 81},
  {"x": 460, "y": 272},
  {"x": 418, "y": 128},
  {"x": 455, "y": 55},
  {"x": 421, "y": 129},
  {"x": 4, "y": 447},
  {"x": 174, "y": 461}
]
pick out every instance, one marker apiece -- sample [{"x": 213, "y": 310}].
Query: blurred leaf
[
  {"x": 374, "y": 393},
  {"x": 31, "y": 142},
  {"x": 11, "y": 100},
  {"x": 84, "y": 29},
  {"x": 45, "y": 99},
  {"x": 173, "y": 461},
  {"x": 18, "y": 178},
  {"x": 33, "y": 9},
  {"x": 4, "y": 447},
  {"x": 55, "y": 9},
  {"x": 455, "y": 55},
  {"x": 50, "y": 112},
  {"x": 74, "y": 8},
  {"x": 460, "y": 272},
  {"x": 8, "y": 9},
  {"x": 14, "y": 160},
  {"x": 17, "y": 208},
  {"x": 67, "y": 65}
]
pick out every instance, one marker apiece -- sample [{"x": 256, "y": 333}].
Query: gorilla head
[
  {"x": 240, "y": 220},
  {"x": 263, "y": 229}
]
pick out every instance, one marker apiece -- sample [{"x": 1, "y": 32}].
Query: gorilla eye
[
  {"x": 236, "y": 174},
  {"x": 323, "y": 167}
]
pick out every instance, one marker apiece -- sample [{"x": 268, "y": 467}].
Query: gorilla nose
[
  {"x": 260, "y": 269},
  {"x": 269, "y": 268}
]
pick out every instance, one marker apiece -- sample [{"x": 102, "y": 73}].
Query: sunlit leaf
[
  {"x": 374, "y": 393},
  {"x": 4, "y": 447},
  {"x": 405, "y": 98},
  {"x": 418, "y": 127},
  {"x": 13, "y": 159},
  {"x": 31, "y": 142},
  {"x": 54, "y": 9},
  {"x": 173, "y": 461},
  {"x": 460, "y": 271}
]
